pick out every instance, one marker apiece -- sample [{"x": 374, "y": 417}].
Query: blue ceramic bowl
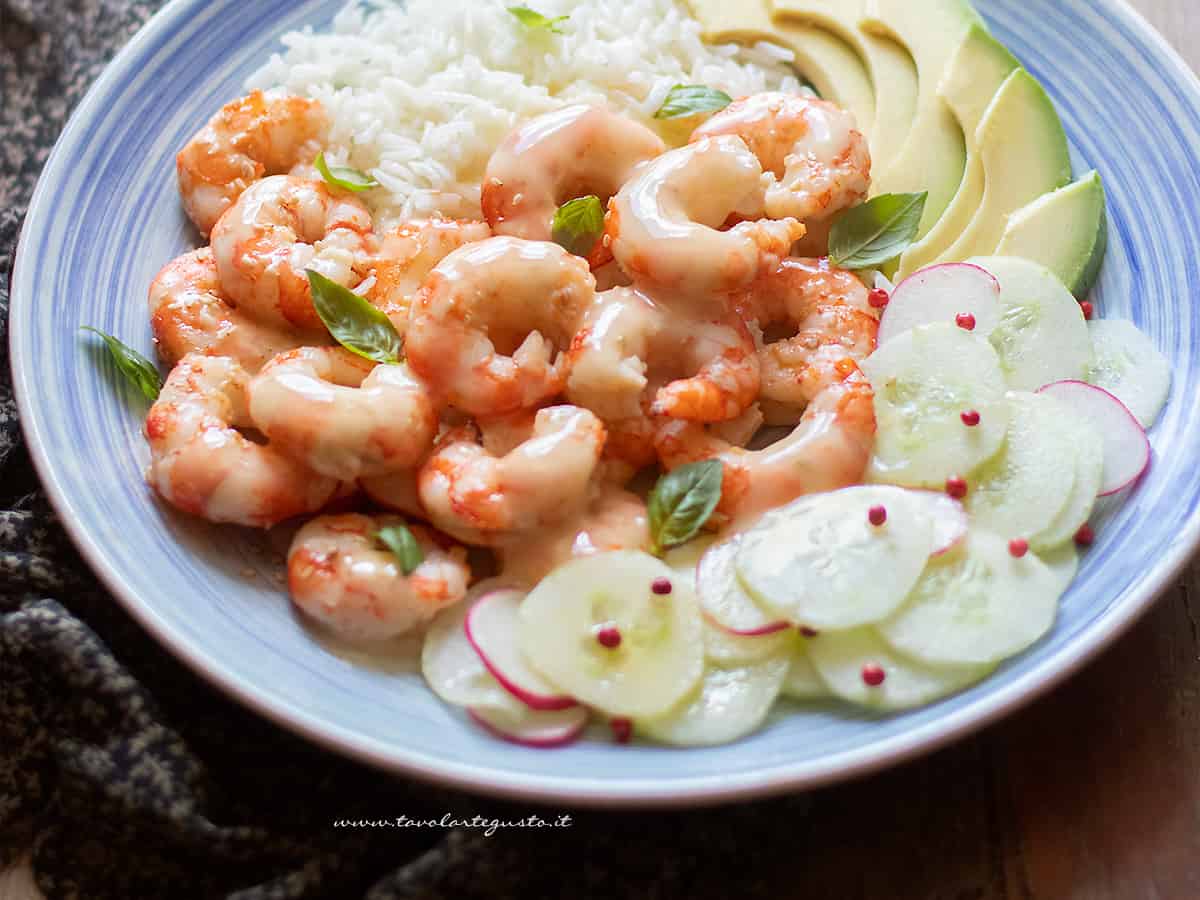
[{"x": 106, "y": 216}]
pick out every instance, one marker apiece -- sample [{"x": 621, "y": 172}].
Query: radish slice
[
  {"x": 725, "y": 602},
  {"x": 725, "y": 648},
  {"x": 450, "y": 664},
  {"x": 491, "y": 627},
  {"x": 533, "y": 728},
  {"x": 942, "y": 294},
  {"x": 1126, "y": 447}
]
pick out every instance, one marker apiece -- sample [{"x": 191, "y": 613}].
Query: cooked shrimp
[
  {"x": 201, "y": 464},
  {"x": 483, "y": 499},
  {"x": 279, "y": 228},
  {"x": 818, "y": 162},
  {"x": 609, "y": 354},
  {"x": 572, "y": 152},
  {"x": 722, "y": 353},
  {"x": 828, "y": 450},
  {"x": 396, "y": 491},
  {"x": 615, "y": 519},
  {"x": 342, "y": 415},
  {"x": 491, "y": 325},
  {"x": 826, "y": 332},
  {"x": 341, "y": 576},
  {"x": 189, "y": 313},
  {"x": 406, "y": 255},
  {"x": 664, "y": 226},
  {"x": 258, "y": 135}
]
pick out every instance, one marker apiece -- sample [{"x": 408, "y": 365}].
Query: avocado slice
[
  {"x": 934, "y": 156},
  {"x": 836, "y": 72},
  {"x": 1066, "y": 231},
  {"x": 977, "y": 71},
  {"x": 1024, "y": 152},
  {"x": 889, "y": 66}
]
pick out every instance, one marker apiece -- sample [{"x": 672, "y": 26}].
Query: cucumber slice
[
  {"x": 924, "y": 380},
  {"x": 821, "y": 567},
  {"x": 724, "y": 601},
  {"x": 727, "y": 649},
  {"x": 839, "y": 658},
  {"x": 452, "y": 668},
  {"x": 1130, "y": 367},
  {"x": 660, "y": 656},
  {"x": 729, "y": 703},
  {"x": 803, "y": 682},
  {"x": 1020, "y": 493},
  {"x": 685, "y": 559},
  {"x": 1089, "y": 469},
  {"x": 1042, "y": 336},
  {"x": 975, "y": 606},
  {"x": 1063, "y": 561}
]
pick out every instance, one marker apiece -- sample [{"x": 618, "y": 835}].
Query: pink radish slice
[
  {"x": 491, "y": 627},
  {"x": 941, "y": 294},
  {"x": 723, "y": 600},
  {"x": 533, "y": 728},
  {"x": 1126, "y": 447}
]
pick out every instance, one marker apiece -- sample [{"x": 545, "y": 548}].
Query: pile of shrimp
[{"x": 535, "y": 384}]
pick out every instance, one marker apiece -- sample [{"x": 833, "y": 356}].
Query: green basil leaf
[
  {"x": 535, "y": 21},
  {"x": 686, "y": 100},
  {"x": 135, "y": 368},
  {"x": 343, "y": 176},
  {"x": 354, "y": 323},
  {"x": 870, "y": 235},
  {"x": 403, "y": 545},
  {"x": 578, "y": 224},
  {"x": 682, "y": 501}
]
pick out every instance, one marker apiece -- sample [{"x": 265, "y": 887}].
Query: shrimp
[
  {"x": 189, "y": 313},
  {"x": 491, "y": 299},
  {"x": 258, "y": 135},
  {"x": 664, "y": 226},
  {"x": 201, "y": 464},
  {"x": 342, "y": 577},
  {"x": 722, "y": 352},
  {"x": 396, "y": 491},
  {"x": 342, "y": 415},
  {"x": 828, "y": 450},
  {"x": 828, "y": 332},
  {"x": 279, "y": 228},
  {"x": 406, "y": 255},
  {"x": 569, "y": 153},
  {"x": 483, "y": 499},
  {"x": 818, "y": 162},
  {"x": 615, "y": 519}
]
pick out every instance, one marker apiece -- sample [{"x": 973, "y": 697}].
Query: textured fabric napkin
[{"x": 123, "y": 775}]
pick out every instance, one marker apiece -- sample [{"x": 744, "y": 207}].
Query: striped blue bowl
[{"x": 106, "y": 216}]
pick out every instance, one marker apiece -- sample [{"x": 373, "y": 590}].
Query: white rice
[{"x": 421, "y": 94}]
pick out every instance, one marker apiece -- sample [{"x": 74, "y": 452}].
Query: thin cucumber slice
[
  {"x": 1130, "y": 367},
  {"x": 729, "y": 703},
  {"x": 924, "y": 380},
  {"x": 1021, "y": 492},
  {"x": 1042, "y": 336},
  {"x": 724, "y": 601},
  {"x": 1063, "y": 561},
  {"x": 803, "y": 682},
  {"x": 659, "y": 657},
  {"x": 727, "y": 649},
  {"x": 977, "y": 605},
  {"x": 1089, "y": 469},
  {"x": 685, "y": 559},
  {"x": 840, "y": 657},
  {"x": 821, "y": 567}
]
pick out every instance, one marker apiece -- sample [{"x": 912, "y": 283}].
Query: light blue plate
[{"x": 106, "y": 216}]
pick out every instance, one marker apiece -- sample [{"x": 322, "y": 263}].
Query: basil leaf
[
  {"x": 682, "y": 501},
  {"x": 876, "y": 232},
  {"x": 343, "y": 176},
  {"x": 690, "y": 100},
  {"x": 578, "y": 224},
  {"x": 403, "y": 545},
  {"x": 354, "y": 323},
  {"x": 135, "y": 368},
  {"x": 535, "y": 21}
]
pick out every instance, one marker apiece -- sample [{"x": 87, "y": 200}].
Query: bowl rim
[{"x": 579, "y": 791}]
